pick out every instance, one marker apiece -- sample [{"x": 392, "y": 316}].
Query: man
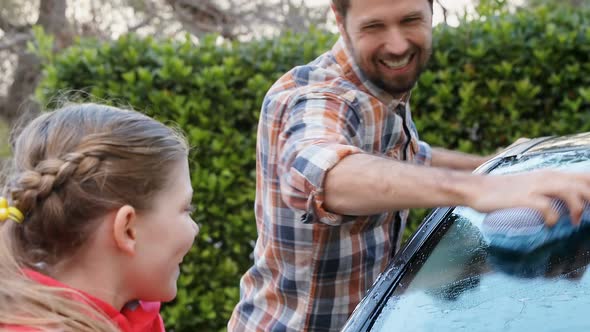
[{"x": 339, "y": 164}]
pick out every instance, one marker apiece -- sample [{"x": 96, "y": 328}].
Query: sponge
[{"x": 523, "y": 230}]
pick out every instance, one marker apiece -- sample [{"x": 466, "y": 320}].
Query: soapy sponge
[{"x": 523, "y": 230}]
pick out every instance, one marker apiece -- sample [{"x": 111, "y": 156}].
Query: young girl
[{"x": 96, "y": 220}]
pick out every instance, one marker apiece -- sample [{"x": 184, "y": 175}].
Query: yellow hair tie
[{"x": 10, "y": 212}]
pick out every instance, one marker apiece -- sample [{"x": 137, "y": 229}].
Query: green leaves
[
  {"x": 42, "y": 44},
  {"x": 508, "y": 75}
]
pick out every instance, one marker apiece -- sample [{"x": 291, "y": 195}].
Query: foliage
[
  {"x": 491, "y": 80},
  {"x": 552, "y": 3},
  {"x": 494, "y": 80}
]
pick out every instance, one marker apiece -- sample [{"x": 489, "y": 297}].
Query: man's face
[{"x": 390, "y": 40}]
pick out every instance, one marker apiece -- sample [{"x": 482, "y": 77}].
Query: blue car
[{"x": 469, "y": 271}]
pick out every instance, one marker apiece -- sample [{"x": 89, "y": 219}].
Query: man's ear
[
  {"x": 340, "y": 21},
  {"x": 125, "y": 229}
]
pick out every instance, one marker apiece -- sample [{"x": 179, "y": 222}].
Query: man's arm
[
  {"x": 463, "y": 161},
  {"x": 456, "y": 160},
  {"x": 363, "y": 184}
]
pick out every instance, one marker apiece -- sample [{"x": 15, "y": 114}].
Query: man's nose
[{"x": 396, "y": 42}]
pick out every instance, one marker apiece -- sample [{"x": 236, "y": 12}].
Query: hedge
[
  {"x": 490, "y": 81},
  {"x": 503, "y": 77}
]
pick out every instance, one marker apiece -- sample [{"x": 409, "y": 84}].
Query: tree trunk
[
  {"x": 52, "y": 17},
  {"x": 26, "y": 77}
]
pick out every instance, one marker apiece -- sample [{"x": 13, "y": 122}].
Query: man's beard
[
  {"x": 393, "y": 87},
  {"x": 398, "y": 85}
]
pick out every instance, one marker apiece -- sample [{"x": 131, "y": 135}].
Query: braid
[
  {"x": 50, "y": 175},
  {"x": 42, "y": 194}
]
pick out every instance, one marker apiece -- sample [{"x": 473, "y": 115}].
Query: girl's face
[{"x": 165, "y": 234}]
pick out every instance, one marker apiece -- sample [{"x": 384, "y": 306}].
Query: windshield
[{"x": 457, "y": 282}]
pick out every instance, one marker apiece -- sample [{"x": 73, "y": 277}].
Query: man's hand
[
  {"x": 456, "y": 160},
  {"x": 464, "y": 161},
  {"x": 535, "y": 190}
]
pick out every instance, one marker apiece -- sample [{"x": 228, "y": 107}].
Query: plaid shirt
[{"x": 312, "y": 267}]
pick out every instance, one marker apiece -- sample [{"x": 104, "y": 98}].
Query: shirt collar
[{"x": 353, "y": 73}]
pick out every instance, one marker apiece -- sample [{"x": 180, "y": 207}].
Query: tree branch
[
  {"x": 145, "y": 22},
  {"x": 444, "y": 9},
  {"x": 7, "y": 26},
  {"x": 9, "y": 42},
  {"x": 52, "y": 17}
]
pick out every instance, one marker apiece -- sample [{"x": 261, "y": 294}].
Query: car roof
[
  {"x": 549, "y": 144},
  {"x": 576, "y": 141}
]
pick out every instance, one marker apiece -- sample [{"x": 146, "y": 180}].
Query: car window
[{"x": 457, "y": 282}]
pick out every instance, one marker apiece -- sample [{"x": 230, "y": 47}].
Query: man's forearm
[
  {"x": 363, "y": 184},
  {"x": 456, "y": 160}
]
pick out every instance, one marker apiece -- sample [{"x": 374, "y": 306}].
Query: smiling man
[
  {"x": 339, "y": 163},
  {"x": 391, "y": 50}
]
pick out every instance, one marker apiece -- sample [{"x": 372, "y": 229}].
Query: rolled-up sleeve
[
  {"x": 319, "y": 133},
  {"x": 424, "y": 154}
]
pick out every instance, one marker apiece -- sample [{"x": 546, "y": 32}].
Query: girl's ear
[{"x": 125, "y": 229}]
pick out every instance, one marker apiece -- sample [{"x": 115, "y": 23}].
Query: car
[{"x": 451, "y": 276}]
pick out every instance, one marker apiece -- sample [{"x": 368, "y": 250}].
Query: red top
[{"x": 143, "y": 317}]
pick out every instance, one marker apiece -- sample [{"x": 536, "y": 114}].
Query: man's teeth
[{"x": 397, "y": 64}]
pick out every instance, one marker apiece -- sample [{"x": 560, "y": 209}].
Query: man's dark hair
[{"x": 343, "y": 5}]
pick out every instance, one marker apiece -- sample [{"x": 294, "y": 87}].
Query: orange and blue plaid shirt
[{"x": 312, "y": 267}]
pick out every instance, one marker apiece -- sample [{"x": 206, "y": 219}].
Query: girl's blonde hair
[{"x": 72, "y": 166}]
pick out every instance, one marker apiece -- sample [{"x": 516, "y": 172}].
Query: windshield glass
[{"x": 458, "y": 282}]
